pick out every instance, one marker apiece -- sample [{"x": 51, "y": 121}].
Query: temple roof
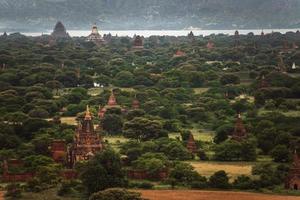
[
  {"x": 112, "y": 100},
  {"x": 60, "y": 31}
]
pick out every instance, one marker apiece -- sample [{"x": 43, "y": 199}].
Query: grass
[
  {"x": 200, "y": 90},
  {"x": 234, "y": 169},
  {"x": 202, "y": 135},
  {"x": 115, "y": 141},
  {"x": 290, "y": 113}
]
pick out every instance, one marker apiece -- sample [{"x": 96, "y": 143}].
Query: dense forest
[
  {"x": 192, "y": 85},
  {"x": 36, "y": 15}
]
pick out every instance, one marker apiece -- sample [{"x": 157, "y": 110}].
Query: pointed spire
[
  {"x": 239, "y": 133},
  {"x": 88, "y": 115}
]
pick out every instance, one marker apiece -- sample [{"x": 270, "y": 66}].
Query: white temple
[{"x": 95, "y": 36}]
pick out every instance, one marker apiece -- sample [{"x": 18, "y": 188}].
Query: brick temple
[
  {"x": 239, "y": 132},
  {"x": 293, "y": 178},
  {"x": 87, "y": 142},
  {"x": 191, "y": 144}
]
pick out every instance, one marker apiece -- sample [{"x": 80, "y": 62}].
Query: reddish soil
[
  {"x": 209, "y": 195},
  {"x": 1, "y": 195}
]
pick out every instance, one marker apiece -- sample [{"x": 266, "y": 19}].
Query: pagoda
[
  {"x": 191, "y": 36},
  {"x": 236, "y": 38},
  {"x": 191, "y": 144},
  {"x": 138, "y": 43},
  {"x": 95, "y": 37},
  {"x": 239, "y": 132},
  {"x": 112, "y": 103},
  {"x": 60, "y": 31},
  {"x": 293, "y": 178},
  {"x": 87, "y": 142},
  {"x": 263, "y": 83}
]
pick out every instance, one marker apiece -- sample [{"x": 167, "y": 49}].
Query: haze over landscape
[{"x": 40, "y": 15}]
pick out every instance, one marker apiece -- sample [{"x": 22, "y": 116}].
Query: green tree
[
  {"x": 143, "y": 129},
  {"x": 102, "y": 172},
  {"x": 219, "y": 180},
  {"x": 112, "y": 123}
]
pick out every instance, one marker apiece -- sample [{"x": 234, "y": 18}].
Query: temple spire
[{"x": 88, "y": 115}]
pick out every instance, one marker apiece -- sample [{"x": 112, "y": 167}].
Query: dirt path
[
  {"x": 209, "y": 195},
  {"x": 1, "y": 195}
]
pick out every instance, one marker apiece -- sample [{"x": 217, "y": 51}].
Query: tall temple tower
[
  {"x": 239, "y": 132},
  {"x": 293, "y": 178},
  {"x": 138, "y": 43},
  {"x": 281, "y": 66},
  {"x": 60, "y": 31},
  {"x": 95, "y": 36},
  {"x": 87, "y": 142}
]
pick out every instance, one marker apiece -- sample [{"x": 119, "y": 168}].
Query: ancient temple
[
  {"x": 295, "y": 46},
  {"x": 210, "y": 44},
  {"x": 236, "y": 39},
  {"x": 112, "y": 103},
  {"x": 191, "y": 144},
  {"x": 293, "y": 178},
  {"x": 191, "y": 36},
  {"x": 60, "y": 31},
  {"x": 87, "y": 142},
  {"x": 263, "y": 82},
  {"x": 95, "y": 37},
  {"x": 239, "y": 132},
  {"x": 179, "y": 53},
  {"x": 59, "y": 151},
  {"x": 281, "y": 66},
  {"x": 138, "y": 43}
]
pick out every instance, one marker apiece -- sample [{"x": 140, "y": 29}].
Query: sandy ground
[
  {"x": 1, "y": 195},
  {"x": 209, "y": 195}
]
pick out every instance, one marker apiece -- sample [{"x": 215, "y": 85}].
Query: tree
[
  {"x": 281, "y": 153},
  {"x": 229, "y": 79},
  {"x": 243, "y": 183},
  {"x": 102, "y": 171},
  {"x": 143, "y": 129},
  {"x": 112, "y": 123},
  {"x": 184, "y": 173},
  {"x": 219, "y": 180},
  {"x": 223, "y": 132},
  {"x": 124, "y": 79},
  {"x": 115, "y": 194}
]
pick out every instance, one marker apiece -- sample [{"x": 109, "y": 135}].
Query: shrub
[
  {"x": 115, "y": 194},
  {"x": 243, "y": 183},
  {"x": 141, "y": 184},
  {"x": 14, "y": 191},
  {"x": 219, "y": 180}
]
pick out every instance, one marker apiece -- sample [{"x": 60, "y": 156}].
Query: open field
[
  {"x": 208, "y": 195},
  {"x": 200, "y": 90},
  {"x": 233, "y": 169},
  {"x": 202, "y": 135}
]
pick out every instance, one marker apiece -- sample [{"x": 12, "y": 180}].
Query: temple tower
[
  {"x": 95, "y": 37},
  {"x": 138, "y": 43},
  {"x": 87, "y": 142},
  {"x": 210, "y": 45},
  {"x": 281, "y": 66},
  {"x": 60, "y": 31},
  {"x": 239, "y": 132},
  {"x": 293, "y": 178},
  {"x": 191, "y": 144}
]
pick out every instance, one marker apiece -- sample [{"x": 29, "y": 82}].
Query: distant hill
[{"x": 149, "y": 14}]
